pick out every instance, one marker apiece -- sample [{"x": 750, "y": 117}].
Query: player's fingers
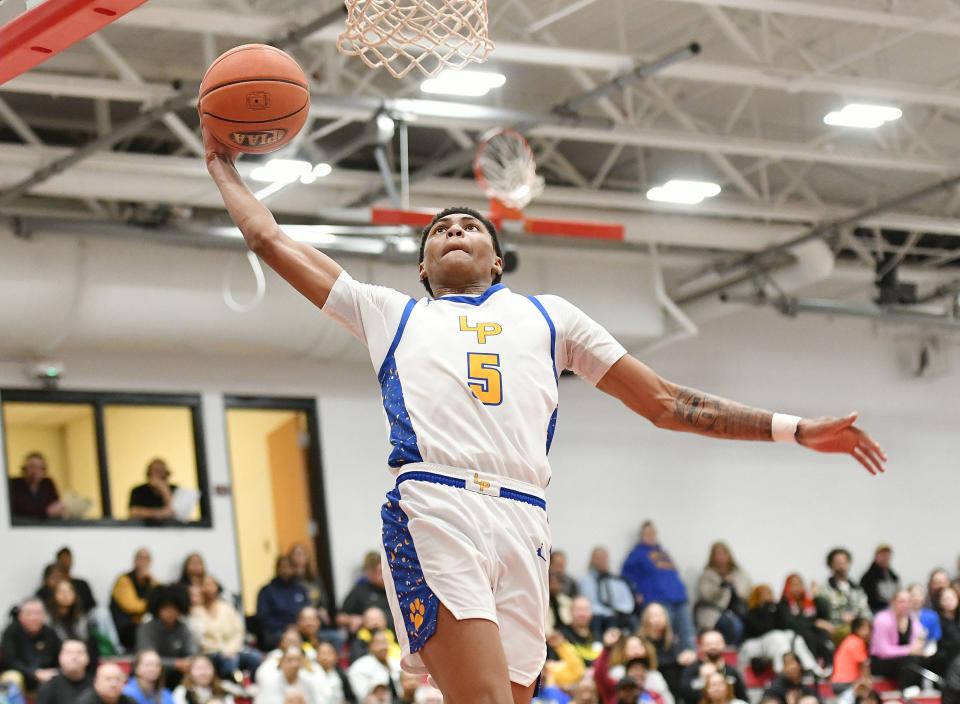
[
  {"x": 859, "y": 457},
  {"x": 875, "y": 446},
  {"x": 874, "y": 457}
]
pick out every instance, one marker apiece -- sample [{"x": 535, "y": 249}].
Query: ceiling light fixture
[
  {"x": 863, "y": 116},
  {"x": 280, "y": 173},
  {"x": 683, "y": 192},
  {"x": 471, "y": 84}
]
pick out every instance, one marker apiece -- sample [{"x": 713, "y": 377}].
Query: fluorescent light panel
[
  {"x": 683, "y": 192},
  {"x": 463, "y": 83},
  {"x": 863, "y": 116}
]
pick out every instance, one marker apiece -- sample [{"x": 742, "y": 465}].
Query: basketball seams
[
  {"x": 255, "y": 79},
  {"x": 258, "y": 122}
]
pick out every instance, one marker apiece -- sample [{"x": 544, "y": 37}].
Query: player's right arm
[{"x": 305, "y": 268}]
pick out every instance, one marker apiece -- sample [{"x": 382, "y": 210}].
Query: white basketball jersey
[{"x": 471, "y": 381}]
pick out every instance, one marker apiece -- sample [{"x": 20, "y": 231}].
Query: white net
[
  {"x": 506, "y": 169},
  {"x": 429, "y": 35}
]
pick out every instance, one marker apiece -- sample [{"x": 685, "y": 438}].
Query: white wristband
[{"x": 784, "y": 427}]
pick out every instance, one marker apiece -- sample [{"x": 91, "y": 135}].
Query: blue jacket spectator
[
  {"x": 654, "y": 578},
  {"x": 928, "y": 618},
  {"x": 279, "y": 602},
  {"x": 146, "y": 686}
]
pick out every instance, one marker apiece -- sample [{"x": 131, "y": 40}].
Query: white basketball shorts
[{"x": 477, "y": 543}]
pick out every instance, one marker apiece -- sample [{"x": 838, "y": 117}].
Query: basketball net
[
  {"x": 506, "y": 170},
  {"x": 429, "y": 35}
]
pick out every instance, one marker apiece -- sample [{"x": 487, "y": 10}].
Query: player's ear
[
  {"x": 497, "y": 267},
  {"x": 423, "y": 272}
]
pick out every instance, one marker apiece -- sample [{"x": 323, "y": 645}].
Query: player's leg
[{"x": 466, "y": 660}]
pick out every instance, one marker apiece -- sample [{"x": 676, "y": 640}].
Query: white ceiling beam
[
  {"x": 837, "y": 13},
  {"x": 113, "y": 175},
  {"x": 443, "y": 115}
]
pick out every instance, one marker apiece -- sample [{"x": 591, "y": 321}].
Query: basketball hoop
[
  {"x": 429, "y": 35},
  {"x": 506, "y": 170}
]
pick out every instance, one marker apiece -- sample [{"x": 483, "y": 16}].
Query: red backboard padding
[{"x": 33, "y": 37}]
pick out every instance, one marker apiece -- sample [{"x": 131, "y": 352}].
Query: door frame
[{"x": 317, "y": 490}]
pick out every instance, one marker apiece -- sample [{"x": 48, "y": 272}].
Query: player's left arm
[{"x": 673, "y": 407}]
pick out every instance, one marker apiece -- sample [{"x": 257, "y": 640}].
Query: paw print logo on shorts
[{"x": 416, "y": 614}]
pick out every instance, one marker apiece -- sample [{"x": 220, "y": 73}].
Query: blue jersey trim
[
  {"x": 552, "y": 425},
  {"x": 553, "y": 333},
  {"x": 419, "y": 606},
  {"x": 473, "y": 300},
  {"x": 505, "y": 493},
  {"x": 402, "y": 435}
]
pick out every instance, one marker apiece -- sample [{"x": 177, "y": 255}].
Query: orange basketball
[{"x": 254, "y": 98}]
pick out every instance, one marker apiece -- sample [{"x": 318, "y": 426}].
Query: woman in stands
[
  {"x": 201, "y": 684},
  {"x": 147, "y": 685}
]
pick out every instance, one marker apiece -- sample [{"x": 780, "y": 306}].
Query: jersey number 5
[{"x": 484, "y": 378}]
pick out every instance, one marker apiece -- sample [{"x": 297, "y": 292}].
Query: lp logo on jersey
[{"x": 483, "y": 330}]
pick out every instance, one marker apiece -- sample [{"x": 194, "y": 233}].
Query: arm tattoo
[{"x": 709, "y": 415}]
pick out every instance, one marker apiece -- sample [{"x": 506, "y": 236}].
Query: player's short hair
[{"x": 491, "y": 229}]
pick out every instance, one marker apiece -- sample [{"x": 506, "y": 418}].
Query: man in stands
[
  {"x": 128, "y": 601},
  {"x": 880, "y": 582},
  {"x": 279, "y": 602},
  {"x": 654, "y": 578},
  {"x": 152, "y": 501},
  {"x": 30, "y": 647},
  {"x": 34, "y": 495},
  {"x": 611, "y": 597},
  {"x": 847, "y": 601},
  {"x": 369, "y": 591},
  {"x": 72, "y": 681},
  {"x": 558, "y": 569},
  {"x": 107, "y": 687},
  {"x": 374, "y": 669},
  {"x": 712, "y": 646},
  {"x": 168, "y": 634},
  {"x": 80, "y": 586}
]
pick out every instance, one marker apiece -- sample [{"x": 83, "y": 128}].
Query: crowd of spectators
[{"x": 615, "y": 636}]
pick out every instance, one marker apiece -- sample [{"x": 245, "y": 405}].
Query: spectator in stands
[
  {"x": 305, "y": 572},
  {"x": 68, "y": 619},
  {"x": 52, "y": 575},
  {"x": 279, "y": 602},
  {"x": 611, "y": 597},
  {"x": 193, "y": 571},
  {"x": 80, "y": 586},
  {"x": 368, "y": 591},
  {"x": 560, "y": 604},
  {"x": 585, "y": 692},
  {"x": 655, "y": 629},
  {"x": 168, "y": 633},
  {"x": 373, "y": 620},
  {"x": 337, "y": 681},
  {"x": 880, "y": 582},
  {"x": 107, "y": 687},
  {"x": 201, "y": 685},
  {"x": 579, "y": 634},
  {"x": 564, "y": 666},
  {"x": 722, "y": 592},
  {"x": 950, "y": 685},
  {"x": 692, "y": 680},
  {"x": 788, "y": 688},
  {"x": 374, "y": 668},
  {"x": 632, "y": 689},
  {"x": 222, "y": 633},
  {"x": 718, "y": 690},
  {"x": 308, "y": 625},
  {"x": 898, "y": 643},
  {"x": 844, "y": 598},
  {"x": 152, "y": 501},
  {"x": 290, "y": 639},
  {"x": 147, "y": 685},
  {"x": 938, "y": 580},
  {"x": 928, "y": 618},
  {"x": 949, "y": 646},
  {"x": 654, "y": 578},
  {"x": 618, "y": 651},
  {"x": 852, "y": 659},
  {"x": 767, "y": 638},
  {"x": 29, "y": 647},
  {"x": 10, "y": 690},
  {"x": 558, "y": 567},
  {"x": 291, "y": 673},
  {"x": 72, "y": 679},
  {"x": 128, "y": 600},
  {"x": 807, "y": 617},
  {"x": 33, "y": 494}
]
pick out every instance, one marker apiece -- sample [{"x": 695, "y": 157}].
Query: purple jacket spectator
[{"x": 886, "y": 639}]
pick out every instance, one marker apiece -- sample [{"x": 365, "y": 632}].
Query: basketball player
[{"x": 469, "y": 384}]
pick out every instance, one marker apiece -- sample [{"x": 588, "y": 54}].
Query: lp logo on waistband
[{"x": 483, "y": 330}]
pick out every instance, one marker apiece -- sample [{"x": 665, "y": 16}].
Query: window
[{"x": 95, "y": 448}]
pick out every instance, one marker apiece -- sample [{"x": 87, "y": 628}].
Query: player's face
[{"x": 459, "y": 252}]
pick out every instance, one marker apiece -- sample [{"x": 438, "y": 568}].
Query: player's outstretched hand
[
  {"x": 840, "y": 435},
  {"x": 218, "y": 154}
]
